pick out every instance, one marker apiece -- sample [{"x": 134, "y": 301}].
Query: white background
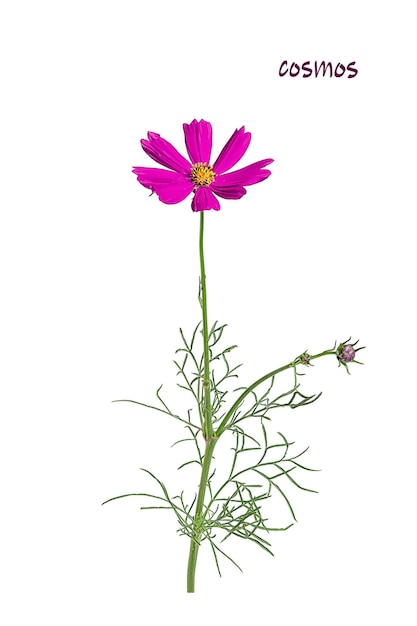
[{"x": 97, "y": 277}]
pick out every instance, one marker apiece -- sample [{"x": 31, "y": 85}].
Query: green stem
[
  {"x": 199, "y": 517},
  {"x": 207, "y": 425},
  {"x": 261, "y": 380},
  {"x": 207, "y": 410},
  {"x": 210, "y": 436}
]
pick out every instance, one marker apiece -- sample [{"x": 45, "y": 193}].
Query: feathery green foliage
[{"x": 262, "y": 464}]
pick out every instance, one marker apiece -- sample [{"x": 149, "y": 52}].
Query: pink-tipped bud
[
  {"x": 305, "y": 358},
  {"x": 347, "y": 354}
]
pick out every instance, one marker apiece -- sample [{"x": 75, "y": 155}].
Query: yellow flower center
[{"x": 202, "y": 174}]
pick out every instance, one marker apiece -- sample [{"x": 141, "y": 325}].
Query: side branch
[{"x": 248, "y": 390}]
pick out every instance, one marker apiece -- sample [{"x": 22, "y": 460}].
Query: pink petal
[
  {"x": 171, "y": 187},
  {"x": 233, "y": 151},
  {"x": 165, "y": 154},
  {"x": 249, "y": 175},
  {"x": 204, "y": 200},
  {"x": 198, "y": 141},
  {"x": 233, "y": 192}
]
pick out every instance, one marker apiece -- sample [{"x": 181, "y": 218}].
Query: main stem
[
  {"x": 207, "y": 410},
  {"x": 207, "y": 426},
  {"x": 209, "y": 435}
]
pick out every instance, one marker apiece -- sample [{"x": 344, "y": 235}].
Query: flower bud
[
  {"x": 305, "y": 358},
  {"x": 347, "y": 354}
]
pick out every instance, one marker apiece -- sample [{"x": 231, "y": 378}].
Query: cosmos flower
[{"x": 207, "y": 181}]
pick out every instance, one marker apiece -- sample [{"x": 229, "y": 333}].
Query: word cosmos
[{"x": 318, "y": 69}]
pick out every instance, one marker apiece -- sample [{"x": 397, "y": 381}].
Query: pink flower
[{"x": 207, "y": 181}]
